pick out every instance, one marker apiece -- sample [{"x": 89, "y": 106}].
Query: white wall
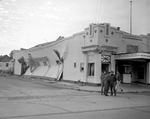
[
  {"x": 38, "y": 52},
  {"x": 17, "y": 55},
  {"x": 75, "y": 55}
]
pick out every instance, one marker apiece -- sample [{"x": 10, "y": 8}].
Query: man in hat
[
  {"x": 112, "y": 80},
  {"x": 106, "y": 83},
  {"x": 102, "y": 82}
]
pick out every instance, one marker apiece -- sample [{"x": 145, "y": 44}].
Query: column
[
  {"x": 85, "y": 68},
  {"x": 113, "y": 63},
  {"x": 148, "y": 73},
  {"x": 97, "y": 68}
]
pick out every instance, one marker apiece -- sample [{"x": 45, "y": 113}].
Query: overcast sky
[{"x": 26, "y": 23}]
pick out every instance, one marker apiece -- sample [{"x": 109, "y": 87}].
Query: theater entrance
[{"x": 133, "y": 67}]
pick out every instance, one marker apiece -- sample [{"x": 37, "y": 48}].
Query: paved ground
[
  {"x": 127, "y": 88},
  {"x": 36, "y": 99}
]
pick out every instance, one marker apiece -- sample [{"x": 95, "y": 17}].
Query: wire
[
  {"x": 104, "y": 10},
  {"x": 96, "y": 11},
  {"x": 100, "y": 7},
  {"x": 107, "y": 9}
]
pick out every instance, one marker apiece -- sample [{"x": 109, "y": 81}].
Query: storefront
[
  {"x": 97, "y": 59},
  {"x": 133, "y": 67}
]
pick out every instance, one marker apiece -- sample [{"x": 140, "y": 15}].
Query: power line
[
  {"x": 107, "y": 9},
  {"x": 96, "y": 11},
  {"x": 104, "y": 11},
  {"x": 99, "y": 15},
  {"x": 107, "y": 2}
]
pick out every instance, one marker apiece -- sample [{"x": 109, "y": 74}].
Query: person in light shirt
[{"x": 118, "y": 85}]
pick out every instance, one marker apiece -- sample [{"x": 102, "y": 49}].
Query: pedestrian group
[{"x": 110, "y": 82}]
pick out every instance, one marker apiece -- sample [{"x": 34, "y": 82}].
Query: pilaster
[
  {"x": 97, "y": 67},
  {"x": 85, "y": 68},
  {"x": 113, "y": 63}
]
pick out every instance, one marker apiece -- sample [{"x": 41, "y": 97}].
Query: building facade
[
  {"x": 84, "y": 55},
  {"x": 5, "y": 63}
]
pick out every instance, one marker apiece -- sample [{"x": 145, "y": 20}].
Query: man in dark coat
[
  {"x": 112, "y": 80},
  {"x": 102, "y": 82},
  {"x": 106, "y": 84}
]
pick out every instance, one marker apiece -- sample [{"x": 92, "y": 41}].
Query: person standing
[
  {"x": 106, "y": 84},
  {"x": 102, "y": 82},
  {"x": 112, "y": 80},
  {"x": 118, "y": 85}
]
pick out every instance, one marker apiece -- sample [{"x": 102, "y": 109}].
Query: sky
[{"x": 26, "y": 23}]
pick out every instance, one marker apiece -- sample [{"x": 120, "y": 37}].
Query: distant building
[
  {"x": 5, "y": 63},
  {"x": 84, "y": 55}
]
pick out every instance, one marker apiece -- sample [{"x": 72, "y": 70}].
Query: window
[
  {"x": 45, "y": 63},
  {"x": 81, "y": 67},
  {"x": 38, "y": 64},
  {"x": 7, "y": 64},
  {"x": 91, "y": 68}
]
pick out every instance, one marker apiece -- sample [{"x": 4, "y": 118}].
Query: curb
[{"x": 65, "y": 86}]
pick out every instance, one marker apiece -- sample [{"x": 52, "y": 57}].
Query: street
[{"x": 25, "y": 99}]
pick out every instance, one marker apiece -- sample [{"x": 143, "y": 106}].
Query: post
[{"x": 130, "y": 17}]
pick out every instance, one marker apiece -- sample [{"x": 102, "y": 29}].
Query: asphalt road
[{"x": 28, "y": 99}]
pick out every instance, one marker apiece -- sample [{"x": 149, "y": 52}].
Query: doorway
[
  {"x": 105, "y": 67},
  {"x": 141, "y": 74}
]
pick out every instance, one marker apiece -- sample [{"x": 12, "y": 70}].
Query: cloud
[{"x": 49, "y": 3}]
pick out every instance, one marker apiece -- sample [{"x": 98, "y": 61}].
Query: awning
[{"x": 133, "y": 56}]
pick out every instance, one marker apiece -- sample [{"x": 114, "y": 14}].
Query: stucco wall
[
  {"x": 91, "y": 39},
  {"x": 74, "y": 57},
  {"x": 37, "y": 53},
  {"x": 16, "y": 56}
]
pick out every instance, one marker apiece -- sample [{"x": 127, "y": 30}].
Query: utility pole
[{"x": 130, "y": 17}]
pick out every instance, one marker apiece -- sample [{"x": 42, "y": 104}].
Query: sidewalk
[{"x": 127, "y": 88}]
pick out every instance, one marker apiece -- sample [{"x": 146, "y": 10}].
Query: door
[
  {"x": 105, "y": 67},
  {"x": 141, "y": 74}
]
